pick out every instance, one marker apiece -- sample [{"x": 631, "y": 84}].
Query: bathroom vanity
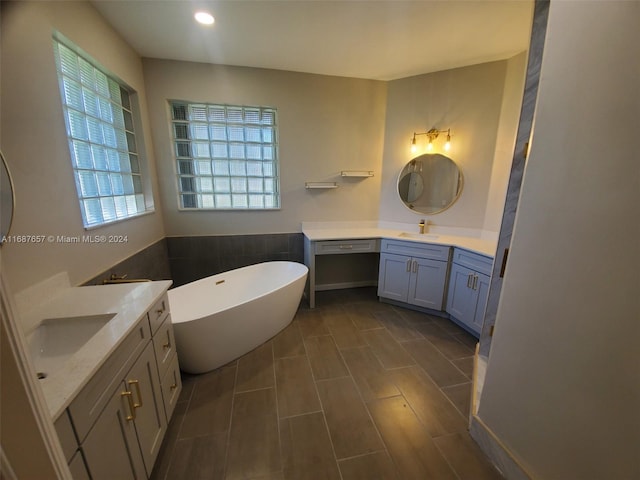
[
  {"x": 442, "y": 274},
  {"x": 112, "y": 398}
]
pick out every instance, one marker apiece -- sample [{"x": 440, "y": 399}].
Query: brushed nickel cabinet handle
[{"x": 409, "y": 265}]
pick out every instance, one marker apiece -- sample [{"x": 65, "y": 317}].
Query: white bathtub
[{"x": 222, "y": 317}]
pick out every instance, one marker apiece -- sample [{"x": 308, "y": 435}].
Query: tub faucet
[{"x": 421, "y": 226}]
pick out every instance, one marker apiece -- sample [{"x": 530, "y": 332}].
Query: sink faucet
[{"x": 421, "y": 225}]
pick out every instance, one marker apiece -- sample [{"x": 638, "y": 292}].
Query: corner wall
[
  {"x": 34, "y": 143},
  {"x": 561, "y": 390}
]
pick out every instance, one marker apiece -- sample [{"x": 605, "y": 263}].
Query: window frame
[
  {"x": 127, "y": 183},
  {"x": 181, "y": 169}
]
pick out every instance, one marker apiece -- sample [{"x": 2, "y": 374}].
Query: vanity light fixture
[
  {"x": 205, "y": 18},
  {"x": 431, "y": 135}
]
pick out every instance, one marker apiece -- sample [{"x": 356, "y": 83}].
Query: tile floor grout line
[
  {"x": 228, "y": 442},
  {"x": 324, "y": 418},
  {"x": 277, "y": 406},
  {"x": 364, "y": 403}
]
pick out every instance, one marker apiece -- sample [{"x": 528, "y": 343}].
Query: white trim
[{"x": 33, "y": 391}]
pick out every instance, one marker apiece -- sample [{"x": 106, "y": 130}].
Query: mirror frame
[
  {"x": 9, "y": 195},
  {"x": 410, "y": 205}
]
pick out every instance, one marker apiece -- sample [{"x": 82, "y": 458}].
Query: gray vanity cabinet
[
  {"x": 111, "y": 449},
  {"x": 413, "y": 273},
  {"x": 125, "y": 440},
  {"x": 120, "y": 416},
  {"x": 469, "y": 289}
]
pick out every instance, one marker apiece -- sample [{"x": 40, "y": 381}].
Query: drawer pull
[
  {"x": 469, "y": 280},
  {"x": 160, "y": 311},
  {"x": 474, "y": 286},
  {"x": 409, "y": 265},
  {"x": 132, "y": 408},
  {"x": 173, "y": 387},
  {"x": 415, "y": 266},
  {"x": 136, "y": 384},
  {"x": 167, "y": 345}
]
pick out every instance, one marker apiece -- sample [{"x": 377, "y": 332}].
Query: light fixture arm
[{"x": 431, "y": 134}]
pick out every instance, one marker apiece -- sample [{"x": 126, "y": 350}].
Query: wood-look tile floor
[{"x": 353, "y": 389}]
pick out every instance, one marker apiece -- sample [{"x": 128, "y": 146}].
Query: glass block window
[
  {"x": 102, "y": 140},
  {"x": 227, "y": 156}
]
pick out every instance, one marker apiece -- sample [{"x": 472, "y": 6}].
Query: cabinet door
[
  {"x": 393, "y": 279},
  {"x": 481, "y": 286},
  {"x": 426, "y": 288},
  {"x": 111, "y": 448},
  {"x": 460, "y": 301},
  {"x": 150, "y": 422}
]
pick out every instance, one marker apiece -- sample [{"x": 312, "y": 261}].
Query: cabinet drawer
[
  {"x": 91, "y": 400},
  {"x": 158, "y": 313},
  {"x": 331, "y": 247},
  {"x": 164, "y": 345},
  {"x": 474, "y": 261},
  {"x": 415, "y": 249},
  {"x": 171, "y": 386}
]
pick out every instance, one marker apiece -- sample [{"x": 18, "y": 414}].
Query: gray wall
[
  {"x": 561, "y": 389},
  {"x": 470, "y": 101},
  {"x": 34, "y": 143},
  {"x": 192, "y": 258},
  {"x": 326, "y": 125}
]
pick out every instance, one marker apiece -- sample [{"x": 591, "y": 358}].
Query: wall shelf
[
  {"x": 320, "y": 185},
  {"x": 356, "y": 173}
]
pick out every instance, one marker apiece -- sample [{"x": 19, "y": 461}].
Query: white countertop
[
  {"x": 482, "y": 246},
  {"x": 129, "y": 301}
]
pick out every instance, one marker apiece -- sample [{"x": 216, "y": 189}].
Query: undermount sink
[
  {"x": 419, "y": 236},
  {"x": 55, "y": 340}
]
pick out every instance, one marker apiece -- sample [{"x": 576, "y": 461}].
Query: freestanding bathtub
[{"x": 219, "y": 318}]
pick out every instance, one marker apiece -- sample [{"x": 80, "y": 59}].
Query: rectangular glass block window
[
  {"x": 102, "y": 140},
  {"x": 226, "y": 155}
]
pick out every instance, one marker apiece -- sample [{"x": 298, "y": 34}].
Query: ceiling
[{"x": 374, "y": 39}]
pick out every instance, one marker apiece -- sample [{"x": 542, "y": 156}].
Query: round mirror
[
  {"x": 430, "y": 183},
  {"x": 6, "y": 199}
]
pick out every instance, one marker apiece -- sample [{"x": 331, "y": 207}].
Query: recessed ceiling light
[{"x": 204, "y": 18}]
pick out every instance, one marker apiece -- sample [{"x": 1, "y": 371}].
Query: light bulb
[
  {"x": 447, "y": 145},
  {"x": 414, "y": 147},
  {"x": 204, "y": 18},
  {"x": 429, "y": 146}
]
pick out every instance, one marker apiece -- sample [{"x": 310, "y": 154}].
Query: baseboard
[
  {"x": 343, "y": 285},
  {"x": 408, "y": 306},
  {"x": 489, "y": 443},
  {"x": 496, "y": 451}
]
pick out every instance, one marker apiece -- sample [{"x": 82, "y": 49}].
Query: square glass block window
[
  {"x": 230, "y": 150},
  {"x": 102, "y": 140}
]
